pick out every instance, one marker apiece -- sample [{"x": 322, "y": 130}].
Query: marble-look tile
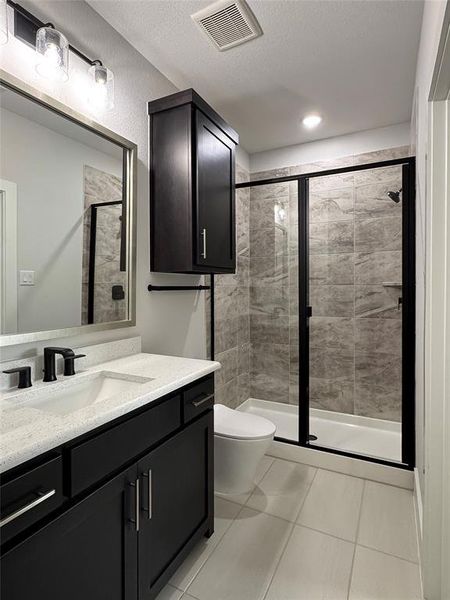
[
  {"x": 330, "y": 182},
  {"x": 378, "y": 384},
  {"x": 331, "y": 384},
  {"x": 380, "y": 175},
  {"x": 377, "y": 575},
  {"x": 381, "y": 155},
  {"x": 243, "y": 387},
  {"x": 268, "y": 242},
  {"x": 107, "y": 270},
  {"x": 242, "y": 174},
  {"x": 331, "y": 237},
  {"x": 269, "y": 191},
  {"x": 377, "y": 301},
  {"x": 378, "y": 335},
  {"x": 227, "y": 302},
  {"x": 273, "y": 300},
  {"x": 372, "y": 201},
  {"x": 243, "y": 334},
  {"x": 378, "y": 234},
  {"x": 387, "y": 521},
  {"x": 269, "y": 372},
  {"x": 269, "y": 174},
  {"x": 269, "y": 329},
  {"x": 101, "y": 185},
  {"x": 225, "y": 333},
  {"x": 242, "y": 565},
  {"x": 244, "y": 358},
  {"x": 269, "y": 270},
  {"x": 378, "y": 267},
  {"x": 282, "y": 490},
  {"x": 227, "y": 394},
  {"x": 331, "y": 332},
  {"x": 314, "y": 566},
  {"x": 331, "y": 205},
  {"x": 332, "y": 300},
  {"x": 229, "y": 362},
  {"x": 264, "y": 212},
  {"x": 333, "y": 504},
  {"x": 338, "y": 269},
  {"x": 293, "y": 270}
]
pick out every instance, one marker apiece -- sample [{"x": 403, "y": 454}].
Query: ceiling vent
[{"x": 228, "y": 23}]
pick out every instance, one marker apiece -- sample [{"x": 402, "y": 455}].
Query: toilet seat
[{"x": 239, "y": 425}]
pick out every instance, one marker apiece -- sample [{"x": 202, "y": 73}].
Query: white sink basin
[{"x": 67, "y": 397}]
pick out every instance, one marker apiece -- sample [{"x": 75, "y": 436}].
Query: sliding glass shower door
[{"x": 355, "y": 267}]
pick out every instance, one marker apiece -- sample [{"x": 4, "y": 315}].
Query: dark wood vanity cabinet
[
  {"x": 124, "y": 536},
  {"x": 192, "y": 179}
]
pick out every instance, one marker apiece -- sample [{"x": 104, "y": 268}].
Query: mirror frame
[{"x": 22, "y": 88}]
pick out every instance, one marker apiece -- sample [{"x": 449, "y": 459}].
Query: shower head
[{"x": 395, "y": 196}]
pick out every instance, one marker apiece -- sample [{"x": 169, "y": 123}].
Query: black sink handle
[{"x": 69, "y": 363}]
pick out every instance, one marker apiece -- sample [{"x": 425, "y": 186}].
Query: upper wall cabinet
[{"x": 192, "y": 209}]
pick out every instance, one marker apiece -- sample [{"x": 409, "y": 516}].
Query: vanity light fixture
[
  {"x": 311, "y": 121},
  {"x": 101, "y": 89},
  {"x": 3, "y": 22},
  {"x": 52, "y": 49}
]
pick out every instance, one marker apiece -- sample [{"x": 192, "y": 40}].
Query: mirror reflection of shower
[{"x": 395, "y": 196}]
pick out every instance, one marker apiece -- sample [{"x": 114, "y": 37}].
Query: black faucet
[
  {"x": 69, "y": 357},
  {"x": 24, "y": 376}
]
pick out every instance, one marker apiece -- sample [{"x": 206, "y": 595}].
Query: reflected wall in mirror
[{"x": 64, "y": 220}]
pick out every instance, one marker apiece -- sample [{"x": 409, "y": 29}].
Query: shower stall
[{"x": 331, "y": 307}]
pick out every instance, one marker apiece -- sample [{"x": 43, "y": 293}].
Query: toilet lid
[{"x": 240, "y": 425}]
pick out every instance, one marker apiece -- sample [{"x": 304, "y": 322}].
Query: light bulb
[
  {"x": 311, "y": 121},
  {"x": 52, "y": 49}
]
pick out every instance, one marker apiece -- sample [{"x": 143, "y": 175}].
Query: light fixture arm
[{"x": 26, "y": 26}]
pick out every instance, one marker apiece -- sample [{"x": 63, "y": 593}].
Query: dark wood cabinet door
[
  {"x": 177, "y": 496},
  {"x": 89, "y": 552},
  {"x": 215, "y": 209}
]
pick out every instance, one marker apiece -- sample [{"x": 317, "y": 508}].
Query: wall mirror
[{"x": 67, "y": 221}]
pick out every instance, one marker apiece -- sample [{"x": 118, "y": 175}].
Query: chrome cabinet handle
[
  {"x": 43, "y": 496},
  {"x": 203, "y": 234},
  {"x": 198, "y": 403},
  {"x": 136, "y": 503},
  {"x": 148, "y": 476}
]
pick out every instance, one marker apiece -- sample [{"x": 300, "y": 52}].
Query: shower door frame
[{"x": 408, "y": 306}]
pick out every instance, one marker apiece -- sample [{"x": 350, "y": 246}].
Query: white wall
[
  {"x": 48, "y": 169},
  {"x": 331, "y": 148},
  {"x": 433, "y": 17},
  {"x": 171, "y": 323}
]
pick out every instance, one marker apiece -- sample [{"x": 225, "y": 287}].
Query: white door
[{"x": 8, "y": 257}]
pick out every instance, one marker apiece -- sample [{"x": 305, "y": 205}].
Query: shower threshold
[{"x": 350, "y": 433}]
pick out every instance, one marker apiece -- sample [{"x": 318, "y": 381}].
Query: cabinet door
[
  {"x": 177, "y": 496},
  {"x": 89, "y": 552},
  {"x": 215, "y": 222}
]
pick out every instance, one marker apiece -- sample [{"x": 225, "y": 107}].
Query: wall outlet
[{"x": 26, "y": 277}]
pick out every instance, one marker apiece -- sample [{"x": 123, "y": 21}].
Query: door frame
[
  {"x": 8, "y": 257},
  {"x": 408, "y": 324}
]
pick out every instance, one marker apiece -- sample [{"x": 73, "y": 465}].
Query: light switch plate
[{"x": 26, "y": 277}]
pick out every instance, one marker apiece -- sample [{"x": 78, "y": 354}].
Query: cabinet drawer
[
  {"x": 94, "y": 459},
  {"x": 198, "y": 398},
  {"x": 30, "y": 496}
]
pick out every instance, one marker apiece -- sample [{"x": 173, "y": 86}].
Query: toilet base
[{"x": 236, "y": 462}]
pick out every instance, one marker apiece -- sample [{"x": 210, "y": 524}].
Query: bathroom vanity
[{"x": 111, "y": 513}]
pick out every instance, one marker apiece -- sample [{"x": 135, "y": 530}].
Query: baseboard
[{"x": 343, "y": 464}]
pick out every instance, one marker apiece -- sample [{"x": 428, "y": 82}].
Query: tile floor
[{"x": 305, "y": 534}]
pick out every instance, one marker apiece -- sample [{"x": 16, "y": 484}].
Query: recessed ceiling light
[{"x": 311, "y": 121}]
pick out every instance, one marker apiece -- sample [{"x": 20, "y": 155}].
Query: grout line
[
  {"x": 356, "y": 541},
  {"x": 282, "y": 553},
  {"x": 306, "y": 495},
  {"x": 412, "y": 562}
]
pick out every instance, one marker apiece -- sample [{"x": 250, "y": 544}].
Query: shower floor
[{"x": 373, "y": 437}]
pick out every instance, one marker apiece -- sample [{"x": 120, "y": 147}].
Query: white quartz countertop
[{"x": 27, "y": 431}]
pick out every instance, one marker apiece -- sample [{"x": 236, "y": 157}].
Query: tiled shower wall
[
  {"x": 355, "y": 250},
  {"x": 232, "y": 321}
]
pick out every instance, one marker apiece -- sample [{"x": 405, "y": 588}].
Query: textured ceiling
[{"x": 353, "y": 61}]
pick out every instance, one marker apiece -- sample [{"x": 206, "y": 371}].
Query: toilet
[{"x": 240, "y": 441}]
